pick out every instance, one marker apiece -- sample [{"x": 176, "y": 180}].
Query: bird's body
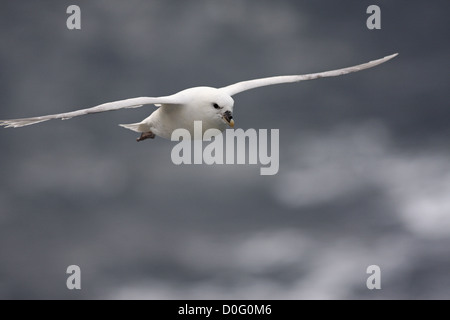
[
  {"x": 198, "y": 106},
  {"x": 212, "y": 106}
]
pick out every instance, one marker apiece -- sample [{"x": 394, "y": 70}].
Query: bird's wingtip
[
  {"x": 383, "y": 60},
  {"x": 392, "y": 56},
  {"x": 4, "y": 123},
  {"x": 18, "y": 123}
]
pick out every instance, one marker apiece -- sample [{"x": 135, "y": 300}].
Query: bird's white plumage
[
  {"x": 210, "y": 105},
  {"x": 110, "y": 106},
  {"x": 257, "y": 83}
]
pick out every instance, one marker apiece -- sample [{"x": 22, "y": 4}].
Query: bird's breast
[{"x": 166, "y": 120}]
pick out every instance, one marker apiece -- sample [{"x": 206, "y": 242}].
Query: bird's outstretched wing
[
  {"x": 252, "y": 84},
  {"x": 110, "y": 106}
]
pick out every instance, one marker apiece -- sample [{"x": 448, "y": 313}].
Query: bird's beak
[{"x": 228, "y": 117}]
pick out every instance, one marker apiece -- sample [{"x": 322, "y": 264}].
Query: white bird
[{"x": 212, "y": 106}]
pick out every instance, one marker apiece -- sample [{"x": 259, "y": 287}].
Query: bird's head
[
  {"x": 223, "y": 109},
  {"x": 215, "y": 108}
]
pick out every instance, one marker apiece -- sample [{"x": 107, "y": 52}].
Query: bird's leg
[{"x": 145, "y": 136}]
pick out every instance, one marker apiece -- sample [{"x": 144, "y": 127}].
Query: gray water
[{"x": 364, "y": 160}]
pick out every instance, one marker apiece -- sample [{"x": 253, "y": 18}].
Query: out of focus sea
[{"x": 364, "y": 159}]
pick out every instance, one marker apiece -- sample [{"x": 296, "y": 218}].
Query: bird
[{"x": 212, "y": 106}]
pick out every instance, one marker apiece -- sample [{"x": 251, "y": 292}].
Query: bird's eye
[{"x": 216, "y": 106}]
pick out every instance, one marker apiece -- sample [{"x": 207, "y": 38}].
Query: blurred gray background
[{"x": 364, "y": 167}]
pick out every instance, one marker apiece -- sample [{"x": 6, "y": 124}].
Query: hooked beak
[{"x": 228, "y": 117}]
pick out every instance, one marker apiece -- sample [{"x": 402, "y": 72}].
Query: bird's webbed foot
[{"x": 145, "y": 136}]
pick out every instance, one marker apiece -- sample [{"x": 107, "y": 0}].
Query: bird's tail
[{"x": 136, "y": 127}]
